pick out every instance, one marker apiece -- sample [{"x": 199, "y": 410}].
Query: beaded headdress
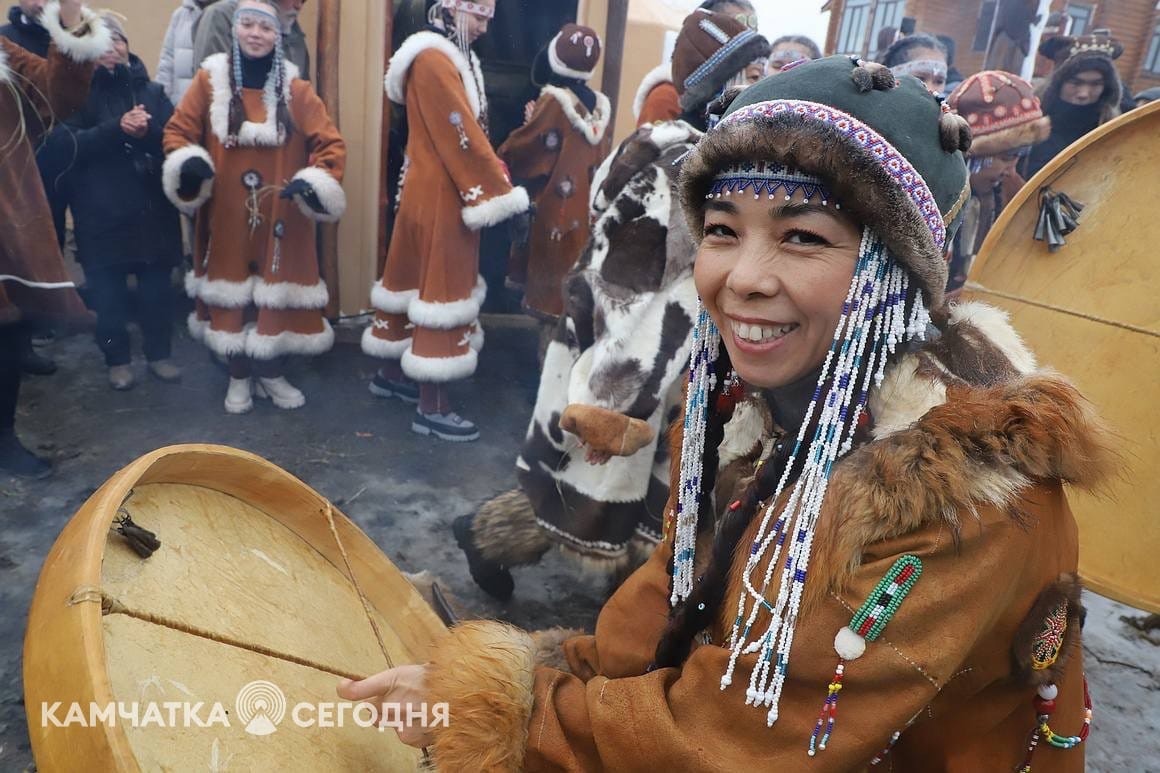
[{"x": 881, "y": 312}]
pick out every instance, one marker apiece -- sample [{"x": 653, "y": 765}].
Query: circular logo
[{"x": 261, "y": 705}]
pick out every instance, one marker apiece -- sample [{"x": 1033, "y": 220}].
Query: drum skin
[
  {"x": 1091, "y": 310},
  {"x": 249, "y": 584}
]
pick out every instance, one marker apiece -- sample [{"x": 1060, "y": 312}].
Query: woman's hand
[
  {"x": 393, "y": 693},
  {"x": 70, "y": 13}
]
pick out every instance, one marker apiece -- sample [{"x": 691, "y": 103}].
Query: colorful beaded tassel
[
  {"x": 1044, "y": 702},
  {"x": 866, "y": 625}
]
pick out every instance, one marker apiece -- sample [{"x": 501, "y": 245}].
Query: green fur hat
[{"x": 888, "y": 150}]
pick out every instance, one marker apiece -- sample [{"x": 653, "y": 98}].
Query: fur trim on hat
[
  {"x": 1005, "y": 140},
  {"x": 171, "y": 178},
  {"x": 329, "y": 192},
  {"x": 484, "y": 671},
  {"x": 708, "y": 79},
  {"x": 594, "y": 125},
  {"x": 395, "y": 81},
  {"x": 857, "y": 180},
  {"x": 558, "y": 65},
  {"x": 662, "y": 73},
  {"x": 93, "y": 40}
]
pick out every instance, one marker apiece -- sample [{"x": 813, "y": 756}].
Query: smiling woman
[{"x": 855, "y": 455}]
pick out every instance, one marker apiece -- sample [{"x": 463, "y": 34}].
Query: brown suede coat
[
  {"x": 657, "y": 99},
  {"x": 256, "y": 282},
  {"x": 35, "y": 281},
  {"x": 556, "y": 154},
  {"x": 971, "y": 447},
  {"x": 453, "y": 185}
]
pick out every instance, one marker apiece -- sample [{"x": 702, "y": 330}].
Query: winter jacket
[
  {"x": 964, "y": 471},
  {"x": 113, "y": 183},
  {"x": 215, "y": 31},
  {"x": 177, "y": 67},
  {"x": 33, "y": 278},
  {"x": 25, "y": 32}
]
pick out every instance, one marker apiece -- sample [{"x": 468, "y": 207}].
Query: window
[
  {"x": 1081, "y": 18},
  {"x": 1152, "y": 60},
  {"x": 888, "y": 14},
  {"x": 852, "y": 31}
]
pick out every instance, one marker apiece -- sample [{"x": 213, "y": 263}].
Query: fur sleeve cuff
[
  {"x": 496, "y": 210},
  {"x": 86, "y": 42},
  {"x": 329, "y": 192},
  {"x": 483, "y": 671},
  {"x": 171, "y": 178}
]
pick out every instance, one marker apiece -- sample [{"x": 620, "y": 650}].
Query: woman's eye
[
  {"x": 719, "y": 229},
  {"x": 805, "y": 237}
]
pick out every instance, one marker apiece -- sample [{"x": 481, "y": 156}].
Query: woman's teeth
[{"x": 761, "y": 333}]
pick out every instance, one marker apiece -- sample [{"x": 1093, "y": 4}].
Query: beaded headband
[
  {"x": 477, "y": 9},
  {"x": 261, "y": 15},
  {"x": 916, "y": 66},
  {"x": 768, "y": 178}
]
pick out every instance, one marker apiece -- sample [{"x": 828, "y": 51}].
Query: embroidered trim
[
  {"x": 719, "y": 56},
  {"x": 767, "y": 178},
  {"x": 873, "y": 143}
]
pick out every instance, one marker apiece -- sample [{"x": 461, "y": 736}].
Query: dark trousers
[
  {"x": 110, "y": 298},
  {"x": 11, "y": 339}
]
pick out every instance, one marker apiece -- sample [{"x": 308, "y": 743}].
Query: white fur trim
[
  {"x": 226, "y": 294},
  {"x": 904, "y": 397},
  {"x": 196, "y": 326},
  {"x": 192, "y": 284},
  {"x": 250, "y": 134},
  {"x": 594, "y": 126},
  {"x": 392, "y": 301},
  {"x": 381, "y": 347},
  {"x": 329, "y": 191},
  {"x": 996, "y": 326},
  {"x": 264, "y": 347},
  {"x": 496, "y": 209},
  {"x": 669, "y": 133},
  {"x": 5, "y": 73},
  {"x": 662, "y": 73},
  {"x": 446, "y": 316},
  {"x": 848, "y": 644},
  {"x": 171, "y": 178},
  {"x": 477, "y": 338},
  {"x": 430, "y": 370},
  {"x": 80, "y": 48},
  {"x": 558, "y": 66},
  {"x": 743, "y": 433},
  {"x": 223, "y": 343},
  {"x": 399, "y": 67},
  {"x": 290, "y": 295}
]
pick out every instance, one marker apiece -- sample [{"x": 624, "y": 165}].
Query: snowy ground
[{"x": 404, "y": 491}]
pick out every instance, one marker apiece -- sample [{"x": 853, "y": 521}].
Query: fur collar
[
  {"x": 251, "y": 134},
  {"x": 395, "y": 81},
  {"x": 966, "y": 421},
  {"x": 592, "y": 125},
  {"x": 662, "y": 73}
]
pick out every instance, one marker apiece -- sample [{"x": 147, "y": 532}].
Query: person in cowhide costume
[
  {"x": 869, "y": 558},
  {"x": 593, "y": 477}
]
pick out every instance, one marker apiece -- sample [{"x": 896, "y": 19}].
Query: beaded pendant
[
  {"x": 1044, "y": 703},
  {"x": 866, "y": 625}
]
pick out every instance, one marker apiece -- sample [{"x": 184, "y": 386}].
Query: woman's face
[
  {"x": 773, "y": 274},
  {"x": 477, "y": 25},
  {"x": 256, "y": 34},
  {"x": 933, "y": 77},
  {"x": 785, "y": 53}
]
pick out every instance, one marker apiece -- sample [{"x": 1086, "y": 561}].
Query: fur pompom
[
  {"x": 954, "y": 132},
  {"x": 871, "y": 75}
]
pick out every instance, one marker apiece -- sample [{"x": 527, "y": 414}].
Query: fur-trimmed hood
[
  {"x": 967, "y": 420},
  {"x": 1109, "y": 102},
  {"x": 395, "y": 81},
  {"x": 662, "y": 73}
]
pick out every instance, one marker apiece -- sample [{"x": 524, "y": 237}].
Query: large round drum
[
  {"x": 1092, "y": 311},
  {"x": 230, "y": 639}
]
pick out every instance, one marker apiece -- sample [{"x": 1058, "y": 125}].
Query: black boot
[
  {"x": 15, "y": 459},
  {"x": 494, "y": 578},
  {"x": 33, "y": 362}
]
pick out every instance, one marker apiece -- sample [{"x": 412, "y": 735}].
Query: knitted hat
[
  {"x": 1002, "y": 111},
  {"x": 710, "y": 50},
  {"x": 574, "y": 52},
  {"x": 889, "y": 151}
]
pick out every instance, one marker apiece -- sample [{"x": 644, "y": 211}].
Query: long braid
[{"x": 237, "y": 111}]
